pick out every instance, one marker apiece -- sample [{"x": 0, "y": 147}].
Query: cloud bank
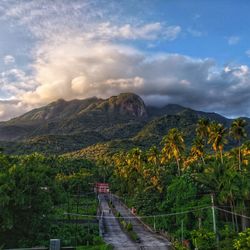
[{"x": 96, "y": 58}]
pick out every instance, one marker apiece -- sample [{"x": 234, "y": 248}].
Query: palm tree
[
  {"x": 173, "y": 146},
  {"x": 153, "y": 155},
  {"x": 202, "y": 129},
  {"x": 245, "y": 152},
  {"x": 238, "y": 132},
  {"x": 197, "y": 148},
  {"x": 217, "y": 134},
  {"x": 134, "y": 159}
]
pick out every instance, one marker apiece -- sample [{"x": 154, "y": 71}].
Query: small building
[{"x": 101, "y": 187}]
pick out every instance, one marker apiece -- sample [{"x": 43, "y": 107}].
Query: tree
[
  {"x": 217, "y": 138},
  {"x": 202, "y": 129},
  {"x": 173, "y": 146},
  {"x": 242, "y": 242},
  {"x": 153, "y": 156},
  {"x": 28, "y": 192},
  {"x": 238, "y": 132},
  {"x": 197, "y": 148}
]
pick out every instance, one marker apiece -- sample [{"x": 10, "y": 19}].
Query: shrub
[
  {"x": 243, "y": 240},
  {"x": 203, "y": 239},
  {"x": 129, "y": 226}
]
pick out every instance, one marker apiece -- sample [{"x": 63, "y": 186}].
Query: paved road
[
  {"x": 149, "y": 239},
  {"x": 116, "y": 237},
  {"x": 113, "y": 233}
]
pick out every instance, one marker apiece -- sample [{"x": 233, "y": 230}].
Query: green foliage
[
  {"x": 35, "y": 191},
  {"x": 227, "y": 235},
  {"x": 120, "y": 122},
  {"x": 242, "y": 242},
  {"x": 150, "y": 182},
  {"x": 28, "y": 193},
  {"x": 167, "y": 179},
  {"x": 71, "y": 235},
  {"x": 203, "y": 239},
  {"x": 129, "y": 227},
  {"x": 133, "y": 235},
  {"x": 179, "y": 246}
]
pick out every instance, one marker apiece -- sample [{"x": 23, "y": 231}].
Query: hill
[{"x": 92, "y": 124}]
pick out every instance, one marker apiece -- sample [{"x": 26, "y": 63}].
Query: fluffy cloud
[
  {"x": 11, "y": 108},
  {"x": 81, "y": 53},
  {"x": 77, "y": 69},
  {"x": 8, "y": 59},
  {"x": 46, "y": 19},
  {"x": 104, "y": 69},
  {"x": 149, "y": 31},
  {"x": 13, "y": 82}
]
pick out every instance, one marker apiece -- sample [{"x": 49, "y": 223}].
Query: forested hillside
[
  {"x": 199, "y": 195},
  {"x": 123, "y": 120}
]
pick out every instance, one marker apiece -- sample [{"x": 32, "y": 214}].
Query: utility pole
[{"x": 214, "y": 219}]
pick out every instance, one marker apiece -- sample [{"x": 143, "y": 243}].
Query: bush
[
  {"x": 133, "y": 236},
  {"x": 203, "y": 239},
  {"x": 227, "y": 236},
  {"x": 179, "y": 246},
  {"x": 129, "y": 226},
  {"x": 243, "y": 240}
]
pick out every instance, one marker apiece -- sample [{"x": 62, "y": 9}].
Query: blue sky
[{"x": 194, "y": 53}]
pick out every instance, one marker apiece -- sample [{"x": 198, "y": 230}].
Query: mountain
[{"x": 119, "y": 121}]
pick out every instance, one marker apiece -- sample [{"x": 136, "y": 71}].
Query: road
[
  {"x": 115, "y": 236},
  {"x": 113, "y": 233}
]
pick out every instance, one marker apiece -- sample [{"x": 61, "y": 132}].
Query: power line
[
  {"x": 141, "y": 217},
  {"x": 186, "y": 196},
  {"x": 226, "y": 211}
]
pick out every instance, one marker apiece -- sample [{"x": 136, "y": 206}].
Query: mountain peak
[
  {"x": 79, "y": 123},
  {"x": 126, "y": 104}
]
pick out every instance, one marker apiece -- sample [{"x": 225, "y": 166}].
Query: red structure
[{"x": 101, "y": 187}]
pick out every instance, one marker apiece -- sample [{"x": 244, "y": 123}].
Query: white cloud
[
  {"x": 149, "y": 31},
  {"x": 11, "y": 108},
  {"x": 81, "y": 53},
  {"x": 9, "y": 59},
  {"x": 233, "y": 40},
  {"x": 46, "y": 19},
  {"x": 103, "y": 69}
]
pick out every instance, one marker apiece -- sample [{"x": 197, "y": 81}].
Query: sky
[{"x": 194, "y": 53}]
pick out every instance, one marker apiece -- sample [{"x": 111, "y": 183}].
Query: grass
[{"x": 126, "y": 226}]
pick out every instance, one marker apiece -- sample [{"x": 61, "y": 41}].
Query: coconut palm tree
[
  {"x": 238, "y": 132},
  {"x": 197, "y": 148},
  {"x": 135, "y": 158},
  {"x": 217, "y": 138},
  {"x": 202, "y": 129},
  {"x": 173, "y": 146},
  {"x": 153, "y": 155}
]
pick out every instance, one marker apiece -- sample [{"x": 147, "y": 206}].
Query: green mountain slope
[{"x": 97, "y": 125}]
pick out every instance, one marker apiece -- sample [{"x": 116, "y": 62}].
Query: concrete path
[
  {"x": 149, "y": 239},
  {"x": 113, "y": 233},
  {"x": 116, "y": 237}
]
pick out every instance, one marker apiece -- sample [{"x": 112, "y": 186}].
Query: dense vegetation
[
  {"x": 39, "y": 197},
  {"x": 119, "y": 122},
  {"x": 174, "y": 185}
]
